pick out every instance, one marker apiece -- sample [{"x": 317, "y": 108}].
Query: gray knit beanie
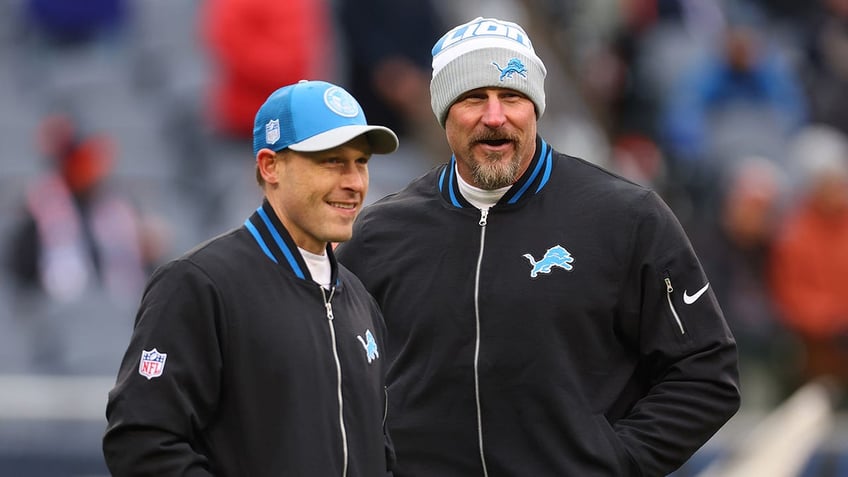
[{"x": 485, "y": 52}]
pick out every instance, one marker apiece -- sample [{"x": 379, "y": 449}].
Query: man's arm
[
  {"x": 688, "y": 357},
  {"x": 168, "y": 382}
]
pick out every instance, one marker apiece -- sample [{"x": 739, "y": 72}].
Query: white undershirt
[
  {"x": 319, "y": 267},
  {"x": 480, "y": 198}
]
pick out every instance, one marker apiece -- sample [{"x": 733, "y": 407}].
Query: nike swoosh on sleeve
[{"x": 689, "y": 299}]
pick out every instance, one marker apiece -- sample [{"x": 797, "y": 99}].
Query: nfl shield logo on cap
[{"x": 272, "y": 131}]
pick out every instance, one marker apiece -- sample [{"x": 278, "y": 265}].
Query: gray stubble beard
[{"x": 493, "y": 174}]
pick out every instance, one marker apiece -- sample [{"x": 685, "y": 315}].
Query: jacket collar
[
  {"x": 277, "y": 244},
  {"x": 529, "y": 184}
]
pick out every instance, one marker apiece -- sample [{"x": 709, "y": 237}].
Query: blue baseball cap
[{"x": 310, "y": 116}]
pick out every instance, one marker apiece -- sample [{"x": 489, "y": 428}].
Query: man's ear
[{"x": 266, "y": 161}]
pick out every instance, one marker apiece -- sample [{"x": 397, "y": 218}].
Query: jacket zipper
[
  {"x": 329, "y": 307},
  {"x": 668, "y": 290},
  {"x": 484, "y": 214},
  {"x": 385, "y": 404}
]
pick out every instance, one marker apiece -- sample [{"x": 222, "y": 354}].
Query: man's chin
[
  {"x": 340, "y": 237},
  {"x": 491, "y": 178}
]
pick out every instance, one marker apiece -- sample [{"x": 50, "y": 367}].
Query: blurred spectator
[
  {"x": 68, "y": 51},
  {"x": 740, "y": 99},
  {"x": 605, "y": 44},
  {"x": 735, "y": 245},
  {"x": 256, "y": 46},
  {"x": 60, "y": 22},
  {"x": 809, "y": 266},
  {"x": 638, "y": 158},
  {"x": 387, "y": 46},
  {"x": 78, "y": 232},
  {"x": 826, "y": 67},
  {"x": 784, "y": 10},
  {"x": 253, "y": 48},
  {"x": 78, "y": 257}
]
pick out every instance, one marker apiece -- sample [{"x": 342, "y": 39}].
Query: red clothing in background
[{"x": 258, "y": 46}]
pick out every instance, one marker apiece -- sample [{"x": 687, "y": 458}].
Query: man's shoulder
[
  {"x": 215, "y": 253},
  {"x": 580, "y": 168},
  {"x": 218, "y": 244},
  {"x": 584, "y": 177},
  {"x": 418, "y": 190}
]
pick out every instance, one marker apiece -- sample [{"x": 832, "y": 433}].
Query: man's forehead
[
  {"x": 359, "y": 144},
  {"x": 496, "y": 89}
]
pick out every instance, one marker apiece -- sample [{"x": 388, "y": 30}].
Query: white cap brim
[{"x": 382, "y": 139}]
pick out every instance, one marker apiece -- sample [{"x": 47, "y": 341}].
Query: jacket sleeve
[
  {"x": 688, "y": 357},
  {"x": 157, "y": 411}
]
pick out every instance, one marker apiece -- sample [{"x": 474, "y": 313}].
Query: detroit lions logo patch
[
  {"x": 370, "y": 346},
  {"x": 341, "y": 102},
  {"x": 512, "y": 67},
  {"x": 556, "y": 256}
]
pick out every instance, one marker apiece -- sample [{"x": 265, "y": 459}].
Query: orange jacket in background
[{"x": 809, "y": 271}]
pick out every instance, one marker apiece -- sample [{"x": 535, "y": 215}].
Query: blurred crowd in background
[{"x": 125, "y": 129}]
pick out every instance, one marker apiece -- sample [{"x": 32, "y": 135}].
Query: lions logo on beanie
[{"x": 485, "y": 52}]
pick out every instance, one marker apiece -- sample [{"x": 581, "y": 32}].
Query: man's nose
[
  {"x": 354, "y": 178},
  {"x": 493, "y": 115}
]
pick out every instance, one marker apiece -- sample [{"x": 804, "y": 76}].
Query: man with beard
[{"x": 544, "y": 316}]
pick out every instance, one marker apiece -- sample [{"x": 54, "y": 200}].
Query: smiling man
[
  {"x": 256, "y": 353},
  {"x": 546, "y": 317}
]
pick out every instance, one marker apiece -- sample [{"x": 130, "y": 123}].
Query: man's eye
[{"x": 472, "y": 97}]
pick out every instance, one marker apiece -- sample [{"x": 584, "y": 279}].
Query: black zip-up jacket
[
  {"x": 568, "y": 331},
  {"x": 263, "y": 372}
]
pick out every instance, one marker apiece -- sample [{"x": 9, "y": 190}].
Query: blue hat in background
[{"x": 314, "y": 116}]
